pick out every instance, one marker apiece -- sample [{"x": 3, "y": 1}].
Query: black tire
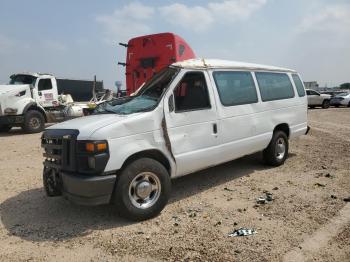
[
  {"x": 349, "y": 104},
  {"x": 311, "y": 107},
  {"x": 326, "y": 104},
  {"x": 34, "y": 122},
  {"x": 5, "y": 128},
  {"x": 52, "y": 183},
  {"x": 271, "y": 155},
  {"x": 124, "y": 190}
]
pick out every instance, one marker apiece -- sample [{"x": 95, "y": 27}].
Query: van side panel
[{"x": 245, "y": 129}]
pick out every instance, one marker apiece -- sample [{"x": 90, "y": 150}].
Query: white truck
[{"x": 32, "y": 99}]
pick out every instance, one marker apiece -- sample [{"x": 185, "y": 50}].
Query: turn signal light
[{"x": 92, "y": 147}]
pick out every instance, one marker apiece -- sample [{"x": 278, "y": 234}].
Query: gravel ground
[{"x": 307, "y": 219}]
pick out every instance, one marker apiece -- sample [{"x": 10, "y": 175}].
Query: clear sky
[{"x": 78, "y": 38}]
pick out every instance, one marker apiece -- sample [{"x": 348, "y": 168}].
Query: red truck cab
[{"x": 147, "y": 55}]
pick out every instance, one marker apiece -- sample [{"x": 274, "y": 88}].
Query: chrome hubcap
[
  {"x": 144, "y": 190},
  {"x": 280, "y": 148}
]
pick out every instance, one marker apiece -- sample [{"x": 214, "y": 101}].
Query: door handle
[{"x": 215, "y": 128}]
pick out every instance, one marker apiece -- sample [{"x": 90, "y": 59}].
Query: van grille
[{"x": 59, "y": 149}]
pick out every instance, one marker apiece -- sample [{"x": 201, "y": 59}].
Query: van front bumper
[{"x": 84, "y": 190}]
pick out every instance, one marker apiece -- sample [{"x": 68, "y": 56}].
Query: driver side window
[
  {"x": 44, "y": 84},
  {"x": 192, "y": 93}
]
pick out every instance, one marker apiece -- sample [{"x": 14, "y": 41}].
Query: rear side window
[
  {"x": 44, "y": 84},
  {"x": 235, "y": 88},
  {"x": 192, "y": 93},
  {"x": 274, "y": 86},
  {"x": 298, "y": 85}
]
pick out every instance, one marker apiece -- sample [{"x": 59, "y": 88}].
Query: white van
[{"x": 190, "y": 116}]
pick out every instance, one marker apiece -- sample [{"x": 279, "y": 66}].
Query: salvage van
[{"x": 190, "y": 116}]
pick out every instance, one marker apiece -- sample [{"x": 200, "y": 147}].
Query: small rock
[
  {"x": 193, "y": 215},
  {"x": 176, "y": 224},
  {"x": 229, "y": 199},
  {"x": 275, "y": 188},
  {"x": 148, "y": 238},
  {"x": 324, "y": 167},
  {"x": 333, "y": 196},
  {"x": 228, "y": 189},
  {"x": 217, "y": 223},
  {"x": 347, "y": 199},
  {"x": 237, "y": 251},
  {"x": 235, "y": 223}
]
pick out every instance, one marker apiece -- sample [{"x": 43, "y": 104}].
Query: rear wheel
[
  {"x": 277, "y": 151},
  {"x": 142, "y": 190},
  {"x": 5, "y": 128},
  {"x": 34, "y": 122},
  {"x": 325, "y": 104},
  {"x": 349, "y": 104}
]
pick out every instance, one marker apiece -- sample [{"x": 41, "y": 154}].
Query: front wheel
[
  {"x": 34, "y": 122},
  {"x": 142, "y": 190},
  {"x": 325, "y": 104},
  {"x": 277, "y": 151}
]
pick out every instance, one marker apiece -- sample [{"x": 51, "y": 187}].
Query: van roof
[{"x": 201, "y": 63}]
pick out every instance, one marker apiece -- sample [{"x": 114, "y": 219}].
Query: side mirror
[{"x": 171, "y": 103}]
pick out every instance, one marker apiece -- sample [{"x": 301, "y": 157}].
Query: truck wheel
[
  {"x": 325, "y": 104},
  {"x": 34, "y": 122},
  {"x": 142, "y": 190},
  {"x": 5, "y": 128},
  {"x": 277, "y": 151},
  {"x": 349, "y": 104}
]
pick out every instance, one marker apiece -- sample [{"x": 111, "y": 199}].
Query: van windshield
[
  {"x": 22, "y": 80},
  {"x": 147, "y": 97}
]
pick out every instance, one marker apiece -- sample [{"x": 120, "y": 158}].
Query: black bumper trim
[
  {"x": 11, "y": 120},
  {"x": 88, "y": 190}
]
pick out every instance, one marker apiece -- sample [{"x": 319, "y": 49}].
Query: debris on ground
[
  {"x": 275, "y": 188},
  {"x": 333, "y": 196},
  {"x": 328, "y": 175},
  {"x": 242, "y": 232},
  {"x": 320, "y": 184},
  {"x": 347, "y": 199},
  {"x": 264, "y": 199},
  {"x": 228, "y": 189}
]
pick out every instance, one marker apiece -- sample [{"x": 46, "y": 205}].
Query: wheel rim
[
  {"x": 144, "y": 190},
  {"x": 280, "y": 148},
  {"x": 34, "y": 123}
]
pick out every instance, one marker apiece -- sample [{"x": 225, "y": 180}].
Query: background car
[
  {"x": 342, "y": 99},
  {"x": 316, "y": 99}
]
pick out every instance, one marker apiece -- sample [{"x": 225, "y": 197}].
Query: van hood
[
  {"x": 87, "y": 125},
  {"x": 4, "y": 89},
  {"x": 108, "y": 126}
]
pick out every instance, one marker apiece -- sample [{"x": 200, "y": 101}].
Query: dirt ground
[{"x": 308, "y": 220}]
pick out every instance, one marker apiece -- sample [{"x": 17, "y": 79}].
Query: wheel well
[
  {"x": 35, "y": 108},
  {"x": 282, "y": 127},
  {"x": 154, "y": 154}
]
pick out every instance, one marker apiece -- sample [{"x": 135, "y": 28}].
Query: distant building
[{"x": 311, "y": 85}]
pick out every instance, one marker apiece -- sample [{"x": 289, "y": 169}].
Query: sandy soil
[{"x": 307, "y": 220}]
